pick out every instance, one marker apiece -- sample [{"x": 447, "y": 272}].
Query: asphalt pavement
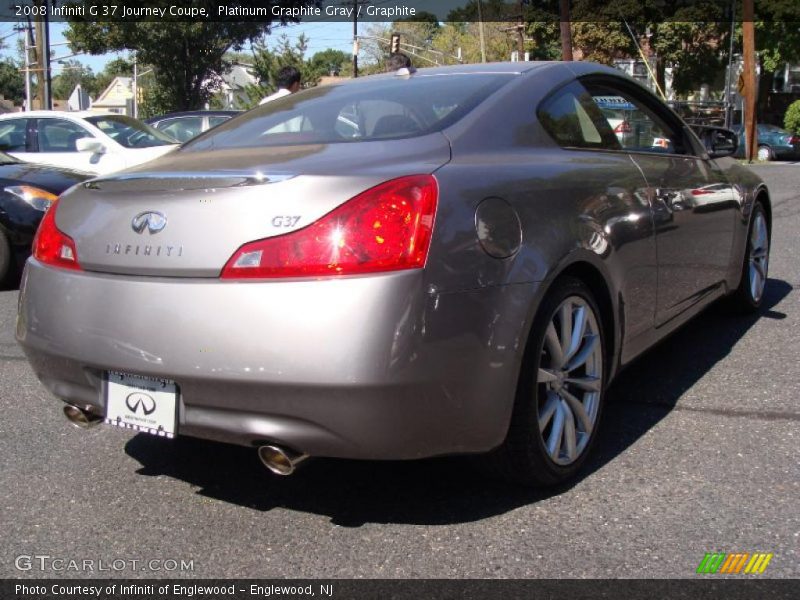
[{"x": 699, "y": 453}]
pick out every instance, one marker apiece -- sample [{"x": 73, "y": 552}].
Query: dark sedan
[
  {"x": 457, "y": 260},
  {"x": 26, "y": 192},
  {"x": 774, "y": 143},
  {"x": 183, "y": 126}
]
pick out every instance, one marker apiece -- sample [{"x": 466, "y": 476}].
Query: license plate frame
[{"x": 142, "y": 403}]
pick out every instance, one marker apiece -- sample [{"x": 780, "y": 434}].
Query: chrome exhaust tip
[
  {"x": 80, "y": 417},
  {"x": 280, "y": 461}
]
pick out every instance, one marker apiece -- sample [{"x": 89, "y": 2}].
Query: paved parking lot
[{"x": 699, "y": 453}]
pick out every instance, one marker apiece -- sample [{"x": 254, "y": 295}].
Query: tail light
[
  {"x": 660, "y": 142},
  {"x": 386, "y": 228},
  {"x": 53, "y": 247},
  {"x": 623, "y": 127},
  {"x": 795, "y": 139}
]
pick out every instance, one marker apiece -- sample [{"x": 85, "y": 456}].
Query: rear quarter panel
[{"x": 573, "y": 206}]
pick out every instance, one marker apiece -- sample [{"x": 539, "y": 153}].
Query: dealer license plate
[{"x": 142, "y": 403}]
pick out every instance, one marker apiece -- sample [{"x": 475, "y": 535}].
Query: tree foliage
[
  {"x": 267, "y": 62},
  {"x": 186, "y": 56},
  {"x": 791, "y": 119},
  {"x": 12, "y": 83},
  {"x": 73, "y": 73},
  {"x": 328, "y": 62}
]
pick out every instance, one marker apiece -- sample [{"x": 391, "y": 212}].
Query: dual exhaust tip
[
  {"x": 81, "y": 417},
  {"x": 280, "y": 461}
]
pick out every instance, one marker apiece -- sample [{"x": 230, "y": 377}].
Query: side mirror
[
  {"x": 717, "y": 141},
  {"x": 89, "y": 144}
]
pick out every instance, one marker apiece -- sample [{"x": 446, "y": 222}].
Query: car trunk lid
[{"x": 186, "y": 214}]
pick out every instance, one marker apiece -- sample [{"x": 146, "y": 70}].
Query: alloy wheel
[
  {"x": 759, "y": 256},
  {"x": 570, "y": 379}
]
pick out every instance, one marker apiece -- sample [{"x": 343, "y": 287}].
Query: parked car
[
  {"x": 632, "y": 128},
  {"x": 92, "y": 142},
  {"x": 26, "y": 192},
  {"x": 184, "y": 126},
  {"x": 774, "y": 143},
  {"x": 464, "y": 272}
]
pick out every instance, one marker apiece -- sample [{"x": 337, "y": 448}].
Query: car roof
[
  {"x": 78, "y": 114},
  {"x": 496, "y": 68},
  {"x": 195, "y": 113}
]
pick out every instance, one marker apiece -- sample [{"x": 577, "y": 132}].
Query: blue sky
[{"x": 322, "y": 35}]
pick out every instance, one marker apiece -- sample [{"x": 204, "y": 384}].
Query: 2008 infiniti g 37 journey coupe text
[{"x": 397, "y": 267}]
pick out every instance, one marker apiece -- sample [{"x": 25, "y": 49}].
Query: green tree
[
  {"x": 12, "y": 82},
  {"x": 73, "y": 73},
  {"x": 330, "y": 61},
  {"x": 267, "y": 63},
  {"x": 186, "y": 56},
  {"x": 791, "y": 119},
  {"x": 777, "y": 41},
  {"x": 692, "y": 38}
]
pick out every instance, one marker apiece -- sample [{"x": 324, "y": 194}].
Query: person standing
[{"x": 288, "y": 82}]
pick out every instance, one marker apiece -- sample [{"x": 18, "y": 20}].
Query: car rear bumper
[
  {"x": 374, "y": 367},
  {"x": 786, "y": 152}
]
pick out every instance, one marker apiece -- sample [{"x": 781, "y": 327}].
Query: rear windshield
[
  {"x": 378, "y": 109},
  {"x": 129, "y": 132}
]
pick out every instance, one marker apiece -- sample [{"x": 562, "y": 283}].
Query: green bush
[{"x": 791, "y": 119}]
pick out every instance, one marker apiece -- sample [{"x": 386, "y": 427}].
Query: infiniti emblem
[
  {"x": 150, "y": 220},
  {"x": 141, "y": 400}
]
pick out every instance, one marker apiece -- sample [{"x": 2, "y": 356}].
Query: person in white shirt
[{"x": 288, "y": 82}]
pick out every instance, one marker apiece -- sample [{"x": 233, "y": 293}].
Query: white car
[{"x": 87, "y": 141}]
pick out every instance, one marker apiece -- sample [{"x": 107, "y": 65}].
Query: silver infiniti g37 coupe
[{"x": 396, "y": 267}]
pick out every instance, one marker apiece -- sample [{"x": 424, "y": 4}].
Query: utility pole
[
  {"x": 46, "y": 73},
  {"x": 43, "y": 57},
  {"x": 355, "y": 39},
  {"x": 749, "y": 78},
  {"x": 519, "y": 28},
  {"x": 480, "y": 31},
  {"x": 729, "y": 78},
  {"x": 27, "y": 46},
  {"x": 356, "y": 6},
  {"x": 566, "y": 30},
  {"x": 39, "y": 54},
  {"x": 135, "y": 86}
]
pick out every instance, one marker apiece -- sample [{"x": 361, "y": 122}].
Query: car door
[
  {"x": 55, "y": 143},
  {"x": 14, "y": 138},
  {"x": 694, "y": 207},
  {"x": 605, "y": 188}
]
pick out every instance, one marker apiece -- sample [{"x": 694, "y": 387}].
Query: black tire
[
  {"x": 742, "y": 300},
  {"x": 523, "y": 457},
  {"x": 5, "y": 260}
]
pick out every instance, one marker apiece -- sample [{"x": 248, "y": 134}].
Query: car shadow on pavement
[{"x": 450, "y": 490}]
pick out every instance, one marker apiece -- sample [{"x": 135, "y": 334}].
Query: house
[
  {"x": 116, "y": 98},
  {"x": 232, "y": 86}
]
